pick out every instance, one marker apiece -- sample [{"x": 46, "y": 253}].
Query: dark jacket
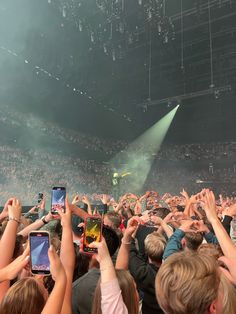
[
  {"x": 83, "y": 291},
  {"x": 144, "y": 275}
]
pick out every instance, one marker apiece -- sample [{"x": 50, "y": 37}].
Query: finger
[
  {"x": 52, "y": 255},
  {"x": 67, "y": 203},
  {"x": 95, "y": 245},
  {"x": 26, "y": 251},
  {"x": 227, "y": 262},
  {"x": 60, "y": 213},
  {"x": 227, "y": 275}
]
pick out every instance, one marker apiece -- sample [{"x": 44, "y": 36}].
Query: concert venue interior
[
  {"x": 117, "y": 156},
  {"x": 81, "y": 81}
]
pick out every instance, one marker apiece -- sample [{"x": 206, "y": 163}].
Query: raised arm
[
  {"x": 67, "y": 256},
  {"x": 223, "y": 238},
  {"x": 78, "y": 211},
  {"x": 86, "y": 201},
  {"x": 36, "y": 225},
  {"x": 7, "y": 243},
  {"x": 122, "y": 261},
  {"x": 56, "y": 298},
  {"x": 111, "y": 298},
  {"x": 163, "y": 224}
]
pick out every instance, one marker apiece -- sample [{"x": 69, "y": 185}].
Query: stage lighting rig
[{"x": 114, "y": 26}]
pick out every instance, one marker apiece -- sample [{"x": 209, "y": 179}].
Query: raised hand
[
  {"x": 76, "y": 199},
  {"x": 56, "y": 267},
  {"x": 132, "y": 226},
  {"x": 104, "y": 199},
  {"x": 102, "y": 254},
  {"x": 85, "y": 200},
  {"x": 185, "y": 194},
  {"x": 207, "y": 198},
  {"x": 200, "y": 226},
  {"x": 14, "y": 208},
  {"x": 42, "y": 204},
  {"x": 188, "y": 225},
  {"x": 65, "y": 217}
]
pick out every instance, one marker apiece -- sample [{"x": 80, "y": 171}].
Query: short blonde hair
[
  {"x": 155, "y": 245},
  {"x": 228, "y": 294},
  {"x": 187, "y": 282}
]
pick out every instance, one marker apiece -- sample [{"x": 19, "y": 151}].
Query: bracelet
[
  {"x": 106, "y": 268},
  {"x": 125, "y": 243},
  {"x": 43, "y": 220},
  {"x": 14, "y": 219}
]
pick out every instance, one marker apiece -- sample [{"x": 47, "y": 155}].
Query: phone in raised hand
[
  {"x": 58, "y": 200},
  {"x": 39, "y": 245},
  {"x": 92, "y": 233}
]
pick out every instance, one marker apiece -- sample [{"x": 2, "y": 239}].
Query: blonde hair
[
  {"x": 155, "y": 245},
  {"x": 25, "y": 296},
  {"x": 187, "y": 283},
  {"x": 211, "y": 249},
  {"x": 128, "y": 291},
  {"x": 228, "y": 294}
]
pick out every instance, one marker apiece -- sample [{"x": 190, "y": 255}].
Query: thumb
[
  {"x": 94, "y": 245},
  {"x": 67, "y": 203},
  {"x": 52, "y": 254}
]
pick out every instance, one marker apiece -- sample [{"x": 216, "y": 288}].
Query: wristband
[
  {"x": 125, "y": 243},
  {"x": 14, "y": 219},
  {"x": 43, "y": 220}
]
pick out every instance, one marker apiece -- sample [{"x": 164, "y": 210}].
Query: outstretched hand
[
  {"x": 208, "y": 202},
  {"x": 14, "y": 208}
]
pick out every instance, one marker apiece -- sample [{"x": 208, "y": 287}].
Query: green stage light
[{"x": 139, "y": 155}]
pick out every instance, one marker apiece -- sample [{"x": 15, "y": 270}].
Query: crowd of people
[
  {"x": 30, "y": 171},
  {"x": 110, "y": 147},
  {"x": 157, "y": 253}
]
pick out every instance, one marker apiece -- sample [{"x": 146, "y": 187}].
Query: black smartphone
[
  {"x": 58, "y": 200},
  {"x": 39, "y": 245},
  {"x": 40, "y": 198},
  {"x": 92, "y": 233}
]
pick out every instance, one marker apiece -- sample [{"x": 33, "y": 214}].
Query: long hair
[
  {"x": 24, "y": 297},
  {"x": 128, "y": 291}
]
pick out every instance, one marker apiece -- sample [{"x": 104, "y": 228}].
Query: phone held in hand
[
  {"x": 92, "y": 233},
  {"x": 58, "y": 200},
  {"x": 40, "y": 198},
  {"x": 39, "y": 245}
]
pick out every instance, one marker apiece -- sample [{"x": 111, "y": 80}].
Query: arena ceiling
[{"x": 114, "y": 67}]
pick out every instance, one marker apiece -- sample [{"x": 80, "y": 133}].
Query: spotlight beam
[{"x": 139, "y": 164}]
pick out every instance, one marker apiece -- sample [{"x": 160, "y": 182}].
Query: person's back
[
  {"x": 83, "y": 292},
  {"x": 145, "y": 272}
]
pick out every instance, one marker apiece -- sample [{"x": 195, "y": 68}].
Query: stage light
[{"x": 141, "y": 153}]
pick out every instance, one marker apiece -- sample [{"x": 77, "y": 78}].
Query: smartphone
[
  {"x": 39, "y": 245},
  {"x": 58, "y": 199},
  {"x": 40, "y": 198},
  {"x": 92, "y": 233}
]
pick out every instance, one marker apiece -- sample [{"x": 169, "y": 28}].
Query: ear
[
  {"x": 183, "y": 242},
  {"x": 212, "y": 308}
]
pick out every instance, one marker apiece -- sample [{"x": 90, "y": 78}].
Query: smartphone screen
[
  {"x": 58, "y": 199},
  {"x": 92, "y": 233},
  {"x": 39, "y": 245}
]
